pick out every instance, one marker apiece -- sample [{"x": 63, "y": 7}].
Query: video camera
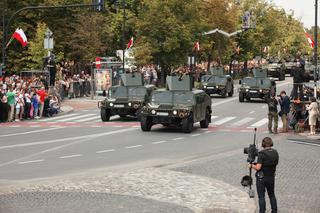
[{"x": 252, "y": 152}]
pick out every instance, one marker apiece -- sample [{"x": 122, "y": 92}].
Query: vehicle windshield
[
  {"x": 264, "y": 83},
  {"x": 169, "y": 97},
  {"x": 118, "y": 92},
  {"x": 214, "y": 79},
  {"x": 251, "y": 82},
  {"x": 137, "y": 91}
]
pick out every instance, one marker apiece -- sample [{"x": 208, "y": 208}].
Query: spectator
[
  {"x": 284, "y": 102},
  {"x": 35, "y": 105},
  {"x": 11, "y": 101},
  {"x": 27, "y": 98},
  {"x": 313, "y": 109},
  {"x": 4, "y": 108},
  {"x": 42, "y": 95}
]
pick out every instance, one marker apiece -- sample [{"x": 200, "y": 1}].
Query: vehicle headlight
[
  {"x": 217, "y": 87},
  {"x": 153, "y": 112},
  {"x": 247, "y": 90},
  {"x": 260, "y": 90},
  {"x": 129, "y": 104},
  {"x": 175, "y": 112},
  {"x": 205, "y": 87},
  {"x": 111, "y": 104}
]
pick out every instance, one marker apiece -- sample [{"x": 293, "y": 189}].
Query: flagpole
[
  {"x": 123, "y": 34},
  {"x": 316, "y": 49}
]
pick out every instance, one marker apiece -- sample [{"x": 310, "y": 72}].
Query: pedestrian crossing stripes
[{"x": 94, "y": 120}]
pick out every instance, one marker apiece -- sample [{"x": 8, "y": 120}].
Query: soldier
[{"x": 272, "y": 114}]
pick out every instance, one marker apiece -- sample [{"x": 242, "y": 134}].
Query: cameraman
[{"x": 266, "y": 165}]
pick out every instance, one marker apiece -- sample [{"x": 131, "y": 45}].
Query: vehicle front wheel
[
  {"x": 224, "y": 93},
  {"x": 187, "y": 125},
  {"x": 230, "y": 94},
  {"x": 105, "y": 114},
  {"x": 146, "y": 123},
  {"x": 205, "y": 123},
  {"x": 241, "y": 97}
]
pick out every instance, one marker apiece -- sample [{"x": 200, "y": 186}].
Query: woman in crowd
[{"x": 313, "y": 115}]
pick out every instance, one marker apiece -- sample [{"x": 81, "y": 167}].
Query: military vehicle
[
  {"x": 309, "y": 71},
  {"x": 178, "y": 105},
  {"x": 258, "y": 86},
  {"x": 289, "y": 65},
  {"x": 275, "y": 69},
  {"x": 125, "y": 99},
  {"x": 217, "y": 83}
]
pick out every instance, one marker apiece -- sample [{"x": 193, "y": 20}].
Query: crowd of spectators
[{"x": 26, "y": 98}]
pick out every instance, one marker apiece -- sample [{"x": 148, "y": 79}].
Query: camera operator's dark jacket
[
  {"x": 285, "y": 104},
  {"x": 269, "y": 159}
]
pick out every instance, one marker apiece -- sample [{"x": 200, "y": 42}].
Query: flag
[
  {"x": 130, "y": 44},
  {"x": 309, "y": 39},
  {"x": 20, "y": 36},
  {"x": 196, "y": 46}
]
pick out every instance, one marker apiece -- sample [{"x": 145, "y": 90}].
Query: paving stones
[{"x": 170, "y": 188}]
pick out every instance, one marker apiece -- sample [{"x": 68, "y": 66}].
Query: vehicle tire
[
  {"x": 145, "y": 123},
  {"x": 187, "y": 125},
  {"x": 230, "y": 94},
  {"x": 241, "y": 97},
  {"x": 205, "y": 123},
  {"x": 224, "y": 93},
  {"x": 248, "y": 99},
  {"x": 105, "y": 114}
]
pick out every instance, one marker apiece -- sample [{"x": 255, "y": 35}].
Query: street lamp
[
  {"x": 316, "y": 49},
  {"x": 123, "y": 33}
]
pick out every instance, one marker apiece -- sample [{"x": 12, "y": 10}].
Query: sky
[{"x": 303, "y": 9}]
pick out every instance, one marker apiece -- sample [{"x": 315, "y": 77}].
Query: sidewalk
[{"x": 84, "y": 103}]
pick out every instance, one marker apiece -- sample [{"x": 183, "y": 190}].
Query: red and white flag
[
  {"x": 310, "y": 40},
  {"x": 19, "y": 36},
  {"x": 130, "y": 44},
  {"x": 196, "y": 46}
]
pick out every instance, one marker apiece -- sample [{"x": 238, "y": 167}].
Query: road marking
[
  {"x": 25, "y": 133},
  {"x": 176, "y": 139},
  {"x": 89, "y": 119},
  {"x": 195, "y": 135},
  {"x": 259, "y": 123},
  {"x": 71, "y": 156},
  {"x": 225, "y": 101},
  {"x": 34, "y": 126},
  {"x": 16, "y": 126},
  {"x": 243, "y": 121},
  {"x": 222, "y": 121},
  {"x": 206, "y": 129},
  {"x": 76, "y": 117},
  {"x": 207, "y": 132},
  {"x": 159, "y": 142},
  {"x": 31, "y": 161},
  {"x": 304, "y": 143},
  {"x": 93, "y": 136},
  {"x": 245, "y": 131},
  {"x": 252, "y": 112},
  {"x": 105, "y": 151},
  {"x": 96, "y": 125},
  {"x": 214, "y": 117},
  {"x": 264, "y": 106},
  {"x": 132, "y": 147},
  {"x": 59, "y": 117}
]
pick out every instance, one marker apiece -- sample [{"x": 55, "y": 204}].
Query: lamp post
[
  {"x": 123, "y": 33},
  {"x": 315, "y": 49}
]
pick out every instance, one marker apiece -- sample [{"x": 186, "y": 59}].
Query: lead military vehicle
[
  {"x": 125, "y": 99},
  {"x": 258, "y": 86},
  {"x": 178, "y": 105},
  {"x": 217, "y": 83},
  {"x": 275, "y": 69}
]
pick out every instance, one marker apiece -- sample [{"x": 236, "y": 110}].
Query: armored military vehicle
[
  {"x": 217, "y": 83},
  {"x": 258, "y": 86},
  {"x": 125, "y": 99},
  {"x": 289, "y": 65},
  {"x": 178, "y": 105},
  {"x": 275, "y": 69}
]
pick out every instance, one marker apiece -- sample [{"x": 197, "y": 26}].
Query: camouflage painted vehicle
[
  {"x": 275, "y": 69},
  {"x": 259, "y": 86},
  {"x": 126, "y": 99},
  {"x": 217, "y": 83},
  {"x": 178, "y": 106},
  {"x": 289, "y": 65}
]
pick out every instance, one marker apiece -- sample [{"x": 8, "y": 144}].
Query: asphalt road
[{"x": 80, "y": 142}]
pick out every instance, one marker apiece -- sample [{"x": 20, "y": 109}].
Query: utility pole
[
  {"x": 316, "y": 49},
  {"x": 123, "y": 33}
]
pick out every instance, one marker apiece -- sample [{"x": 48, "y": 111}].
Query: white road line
[
  {"x": 259, "y": 123},
  {"x": 159, "y": 142},
  {"x": 176, "y": 139},
  {"x": 225, "y": 101},
  {"x": 35, "y": 131},
  {"x": 34, "y": 126},
  {"x": 245, "y": 131},
  {"x": 224, "y": 120},
  {"x": 31, "y": 161},
  {"x": 195, "y": 135},
  {"x": 252, "y": 112},
  {"x": 93, "y": 136},
  {"x": 207, "y": 132},
  {"x": 243, "y": 121},
  {"x": 264, "y": 106},
  {"x": 15, "y": 126},
  {"x": 214, "y": 117},
  {"x": 70, "y": 156},
  {"x": 76, "y": 117},
  {"x": 105, "y": 151},
  {"x": 58, "y": 117},
  {"x": 89, "y": 119},
  {"x": 304, "y": 143},
  {"x": 132, "y": 147},
  {"x": 96, "y": 126}
]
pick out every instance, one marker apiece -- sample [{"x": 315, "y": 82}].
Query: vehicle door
[{"x": 200, "y": 108}]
